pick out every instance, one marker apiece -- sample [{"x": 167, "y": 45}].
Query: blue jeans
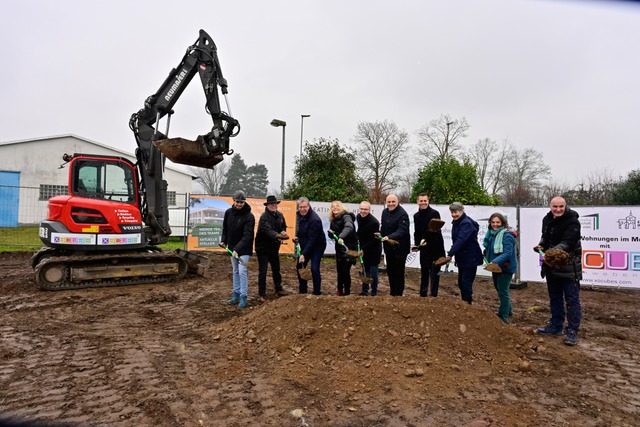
[
  {"x": 240, "y": 277},
  {"x": 502, "y": 283},
  {"x": 466, "y": 276},
  {"x": 371, "y": 271},
  {"x": 561, "y": 292},
  {"x": 316, "y": 257}
]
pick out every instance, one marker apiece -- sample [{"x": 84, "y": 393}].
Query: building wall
[{"x": 39, "y": 160}]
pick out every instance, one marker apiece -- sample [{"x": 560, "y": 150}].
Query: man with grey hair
[
  {"x": 312, "y": 244},
  {"x": 465, "y": 249}
]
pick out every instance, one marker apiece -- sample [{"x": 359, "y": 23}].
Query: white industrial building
[{"x": 31, "y": 173}]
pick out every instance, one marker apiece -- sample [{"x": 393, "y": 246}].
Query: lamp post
[
  {"x": 278, "y": 123},
  {"x": 446, "y": 138},
  {"x": 302, "y": 116}
]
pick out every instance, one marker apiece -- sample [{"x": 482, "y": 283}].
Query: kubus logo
[{"x": 590, "y": 222}]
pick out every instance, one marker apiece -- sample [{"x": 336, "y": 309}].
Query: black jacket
[
  {"x": 434, "y": 239},
  {"x": 310, "y": 233},
  {"x": 269, "y": 226},
  {"x": 344, "y": 227},
  {"x": 237, "y": 229},
  {"x": 563, "y": 233},
  {"x": 465, "y": 247},
  {"x": 370, "y": 246},
  {"x": 395, "y": 225}
]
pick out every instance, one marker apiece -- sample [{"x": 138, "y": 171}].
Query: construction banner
[{"x": 206, "y": 215}]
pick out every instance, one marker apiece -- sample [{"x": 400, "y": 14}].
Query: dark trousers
[
  {"x": 264, "y": 259},
  {"x": 502, "y": 283},
  {"x": 466, "y": 276},
  {"x": 343, "y": 267},
  {"x": 561, "y": 292},
  {"x": 316, "y": 257},
  {"x": 429, "y": 272},
  {"x": 371, "y": 271},
  {"x": 395, "y": 271}
]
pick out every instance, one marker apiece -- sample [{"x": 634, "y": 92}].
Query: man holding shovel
[
  {"x": 429, "y": 242},
  {"x": 396, "y": 237},
  {"x": 312, "y": 244},
  {"x": 371, "y": 248},
  {"x": 272, "y": 230},
  {"x": 237, "y": 236}
]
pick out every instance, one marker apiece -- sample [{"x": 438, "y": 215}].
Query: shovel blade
[{"x": 188, "y": 152}]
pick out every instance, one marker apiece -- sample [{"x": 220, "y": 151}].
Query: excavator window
[{"x": 104, "y": 179}]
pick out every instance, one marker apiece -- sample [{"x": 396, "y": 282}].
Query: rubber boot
[
  {"x": 243, "y": 301},
  {"x": 234, "y": 299}
]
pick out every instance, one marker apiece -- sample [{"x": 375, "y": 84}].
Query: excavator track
[{"x": 56, "y": 273}]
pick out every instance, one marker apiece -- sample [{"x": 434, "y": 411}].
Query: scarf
[{"x": 497, "y": 244}]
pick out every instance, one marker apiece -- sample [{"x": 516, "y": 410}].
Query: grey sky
[{"x": 558, "y": 76}]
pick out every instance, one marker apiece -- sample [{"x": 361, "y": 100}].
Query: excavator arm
[{"x": 153, "y": 145}]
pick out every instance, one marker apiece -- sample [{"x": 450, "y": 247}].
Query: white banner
[
  {"x": 480, "y": 214},
  {"x": 610, "y": 245}
]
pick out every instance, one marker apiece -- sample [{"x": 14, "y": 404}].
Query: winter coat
[
  {"x": 310, "y": 233},
  {"x": 465, "y": 248},
  {"x": 395, "y": 225},
  {"x": 435, "y": 242},
  {"x": 237, "y": 229},
  {"x": 344, "y": 227},
  {"x": 563, "y": 233},
  {"x": 270, "y": 225},
  {"x": 507, "y": 259},
  {"x": 370, "y": 245}
]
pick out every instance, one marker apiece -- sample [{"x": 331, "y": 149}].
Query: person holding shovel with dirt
[
  {"x": 272, "y": 230},
  {"x": 312, "y": 241},
  {"x": 428, "y": 241},
  {"x": 395, "y": 235},
  {"x": 237, "y": 237},
  {"x": 500, "y": 254},
  {"x": 370, "y": 246},
  {"x": 465, "y": 248},
  {"x": 342, "y": 229}
]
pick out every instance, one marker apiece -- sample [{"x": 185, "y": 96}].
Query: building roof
[{"x": 70, "y": 135}]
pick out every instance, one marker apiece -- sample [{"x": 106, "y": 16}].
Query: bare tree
[
  {"x": 595, "y": 189},
  {"x": 379, "y": 150},
  {"x": 212, "y": 179},
  {"x": 442, "y": 137},
  {"x": 525, "y": 174},
  {"x": 491, "y": 161}
]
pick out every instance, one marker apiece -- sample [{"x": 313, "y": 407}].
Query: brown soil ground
[{"x": 178, "y": 355}]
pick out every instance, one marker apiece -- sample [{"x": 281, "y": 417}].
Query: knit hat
[{"x": 239, "y": 196}]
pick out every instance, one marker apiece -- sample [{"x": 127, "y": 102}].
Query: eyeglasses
[
  {"x": 364, "y": 209},
  {"x": 239, "y": 202}
]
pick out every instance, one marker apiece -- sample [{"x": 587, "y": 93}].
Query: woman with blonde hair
[{"x": 342, "y": 231}]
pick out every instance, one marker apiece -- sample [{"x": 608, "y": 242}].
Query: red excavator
[{"x": 106, "y": 231}]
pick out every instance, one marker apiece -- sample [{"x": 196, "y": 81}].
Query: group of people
[{"x": 362, "y": 238}]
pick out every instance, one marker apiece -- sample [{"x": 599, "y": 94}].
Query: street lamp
[
  {"x": 446, "y": 138},
  {"x": 278, "y": 123},
  {"x": 302, "y": 116}
]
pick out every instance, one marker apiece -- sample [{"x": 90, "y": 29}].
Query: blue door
[{"x": 9, "y": 198}]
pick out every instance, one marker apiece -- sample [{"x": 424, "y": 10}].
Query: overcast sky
[{"x": 560, "y": 76}]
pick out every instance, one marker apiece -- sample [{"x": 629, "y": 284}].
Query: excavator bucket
[{"x": 188, "y": 152}]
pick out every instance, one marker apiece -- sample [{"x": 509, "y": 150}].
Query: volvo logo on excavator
[{"x": 175, "y": 85}]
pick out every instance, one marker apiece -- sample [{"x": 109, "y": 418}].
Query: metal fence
[{"x": 22, "y": 209}]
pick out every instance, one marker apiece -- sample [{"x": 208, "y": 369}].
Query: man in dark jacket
[
  {"x": 561, "y": 229},
  {"x": 466, "y": 249},
  {"x": 272, "y": 230},
  {"x": 429, "y": 243},
  {"x": 395, "y": 228},
  {"x": 237, "y": 235},
  {"x": 312, "y": 243},
  {"x": 370, "y": 246}
]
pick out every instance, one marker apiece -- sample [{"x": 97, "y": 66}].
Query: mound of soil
[{"x": 177, "y": 355}]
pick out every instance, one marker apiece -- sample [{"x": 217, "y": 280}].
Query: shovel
[
  {"x": 223, "y": 246},
  {"x": 446, "y": 270},
  {"x": 389, "y": 241},
  {"x": 363, "y": 275},
  {"x": 350, "y": 252},
  {"x": 303, "y": 273}
]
